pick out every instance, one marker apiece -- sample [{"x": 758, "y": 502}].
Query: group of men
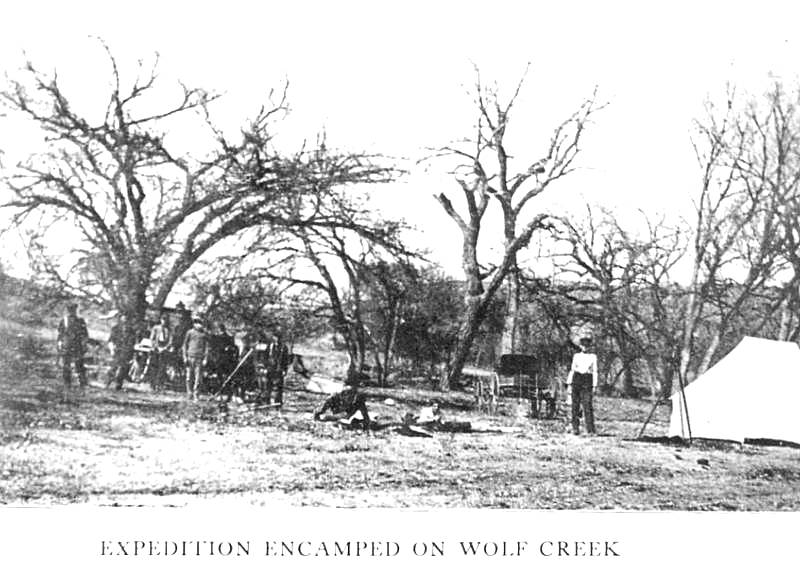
[
  {"x": 209, "y": 356},
  {"x": 204, "y": 356}
]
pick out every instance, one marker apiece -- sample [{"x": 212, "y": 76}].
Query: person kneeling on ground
[{"x": 349, "y": 401}]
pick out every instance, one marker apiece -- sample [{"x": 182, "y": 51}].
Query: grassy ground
[{"x": 138, "y": 448}]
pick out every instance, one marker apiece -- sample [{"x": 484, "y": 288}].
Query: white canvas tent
[{"x": 751, "y": 393}]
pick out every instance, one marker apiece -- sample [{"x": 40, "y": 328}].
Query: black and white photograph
[{"x": 388, "y": 267}]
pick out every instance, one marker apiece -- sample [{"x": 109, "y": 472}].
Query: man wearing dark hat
[
  {"x": 73, "y": 337},
  {"x": 223, "y": 358},
  {"x": 195, "y": 357}
]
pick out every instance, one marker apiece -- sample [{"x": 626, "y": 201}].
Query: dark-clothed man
[
  {"x": 223, "y": 359},
  {"x": 260, "y": 358},
  {"x": 116, "y": 347},
  {"x": 246, "y": 375},
  {"x": 195, "y": 357},
  {"x": 277, "y": 365},
  {"x": 581, "y": 382},
  {"x": 161, "y": 338},
  {"x": 349, "y": 401},
  {"x": 223, "y": 351},
  {"x": 73, "y": 337}
]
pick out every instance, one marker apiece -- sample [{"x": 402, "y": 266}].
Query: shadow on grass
[
  {"x": 662, "y": 440},
  {"x": 721, "y": 444},
  {"x": 44, "y": 404}
]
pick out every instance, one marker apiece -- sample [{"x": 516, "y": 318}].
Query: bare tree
[
  {"x": 485, "y": 175},
  {"x": 431, "y": 310},
  {"x": 144, "y": 212},
  {"x": 741, "y": 251},
  {"x": 736, "y": 240},
  {"x": 770, "y": 169},
  {"x": 335, "y": 258},
  {"x": 625, "y": 284},
  {"x": 390, "y": 292}
]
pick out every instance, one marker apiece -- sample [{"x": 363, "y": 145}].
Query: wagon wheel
[
  {"x": 534, "y": 403},
  {"x": 536, "y": 398},
  {"x": 552, "y": 404}
]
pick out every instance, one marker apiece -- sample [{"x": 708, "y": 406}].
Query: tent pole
[
  {"x": 685, "y": 406},
  {"x": 661, "y": 397}
]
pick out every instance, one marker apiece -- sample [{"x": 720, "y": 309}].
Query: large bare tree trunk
[
  {"x": 509, "y": 342},
  {"x": 466, "y": 336},
  {"x": 488, "y": 174},
  {"x": 389, "y": 345}
]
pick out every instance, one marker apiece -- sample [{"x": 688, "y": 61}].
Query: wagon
[
  {"x": 522, "y": 376},
  {"x": 516, "y": 376}
]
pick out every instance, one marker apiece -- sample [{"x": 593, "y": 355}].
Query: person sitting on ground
[
  {"x": 349, "y": 401},
  {"x": 429, "y": 416},
  {"x": 430, "y": 419}
]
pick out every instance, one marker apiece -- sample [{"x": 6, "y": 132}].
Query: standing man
[
  {"x": 581, "y": 381},
  {"x": 116, "y": 347},
  {"x": 195, "y": 357},
  {"x": 247, "y": 371},
  {"x": 278, "y": 364},
  {"x": 73, "y": 337},
  {"x": 178, "y": 334},
  {"x": 260, "y": 359},
  {"x": 161, "y": 338},
  {"x": 227, "y": 357}
]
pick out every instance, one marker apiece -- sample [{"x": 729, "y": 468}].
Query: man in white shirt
[{"x": 581, "y": 381}]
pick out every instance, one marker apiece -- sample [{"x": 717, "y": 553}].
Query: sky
[{"x": 394, "y": 77}]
